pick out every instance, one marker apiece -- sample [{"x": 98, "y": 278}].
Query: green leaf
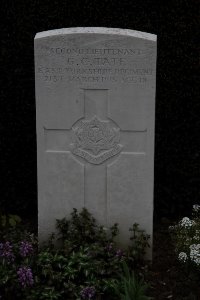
[
  {"x": 16, "y": 218},
  {"x": 12, "y": 222},
  {"x": 3, "y": 220}
]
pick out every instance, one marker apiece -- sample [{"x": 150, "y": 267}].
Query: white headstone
[{"x": 95, "y": 102}]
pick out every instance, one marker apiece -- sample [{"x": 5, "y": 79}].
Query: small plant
[
  {"x": 186, "y": 238},
  {"x": 9, "y": 220},
  {"x": 16, "y": 256},
  {"x": 92, "y": 252},
  {"x": 130, "y": 287},
  {"x": 83, "y": 229},
  {"x": 86, "y": 265},
  {"x": 138, "y": 246}
]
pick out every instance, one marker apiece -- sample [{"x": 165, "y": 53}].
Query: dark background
[{"x": 177, "y": 148}]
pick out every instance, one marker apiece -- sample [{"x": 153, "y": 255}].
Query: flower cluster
[
  {"x": 196, "y": 208},
  {"x": 109, "y": 247},
  {"x": 171, "y": 228},
  {"x": 6, "y": 251},
  {"x": 197, "y": 235},
  {"x": 182, "y": 256},
  {"x": 119, "y": 253},
  {"x": 88, "y": 292},
  {"x": 186, "y": 222},
  {"x": 186, "y": 237},
  {"x": 195, "y": 253},
  {"x": 25, "y": 248},
  {"x": 25, "y": 276}
]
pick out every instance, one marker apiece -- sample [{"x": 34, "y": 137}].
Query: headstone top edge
[{"x": 97, "y": 30}]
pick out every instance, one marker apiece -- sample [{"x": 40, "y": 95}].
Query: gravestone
[{"x": 95, "y": 103}]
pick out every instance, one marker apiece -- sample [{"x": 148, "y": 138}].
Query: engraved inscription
[
  {"x": 90, "y": 51},
  {"x": 96, "y": 140},
  {"x": 83, "y": 65},
  {"x": 81, "y": 75}
]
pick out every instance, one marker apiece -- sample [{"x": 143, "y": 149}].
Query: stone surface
[{"x": 95, "y": 102}]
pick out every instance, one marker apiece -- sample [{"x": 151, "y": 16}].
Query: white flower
[
  {"x": 186, "y": 222},
  {"x": 195, "y": 247},
  {"x": 196, "y": 207},
  {"x": 105, "y": 228},
  {"x": 171, "y": 228},
  {"x": 195, "y": 253},
  {"x": 187, "y": 241},
  {"x": 182, "y": 256}
]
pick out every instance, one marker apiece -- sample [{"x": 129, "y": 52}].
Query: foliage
[
  {"x": 138, "y": 246},
  {"x": 130, "y": 287},
  {"x": 17, "y": 248},
  {"x": 16, "y": 256},
  {"x": 9, "y": 220},
  {"x": 83, "y": 229},
  {"x": 81, "y": 262},
  {"x": 186, "y": 238}
]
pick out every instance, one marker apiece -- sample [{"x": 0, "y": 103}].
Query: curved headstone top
[{"x": 97, "y": 30}]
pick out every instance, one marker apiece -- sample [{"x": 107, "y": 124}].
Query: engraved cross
[{"x": 96, "y": 141}]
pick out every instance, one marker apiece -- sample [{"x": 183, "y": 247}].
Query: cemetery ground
[{"x": 166, "y": 277}]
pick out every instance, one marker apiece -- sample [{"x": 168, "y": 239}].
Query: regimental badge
[{"x": 96, "y": 140}]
